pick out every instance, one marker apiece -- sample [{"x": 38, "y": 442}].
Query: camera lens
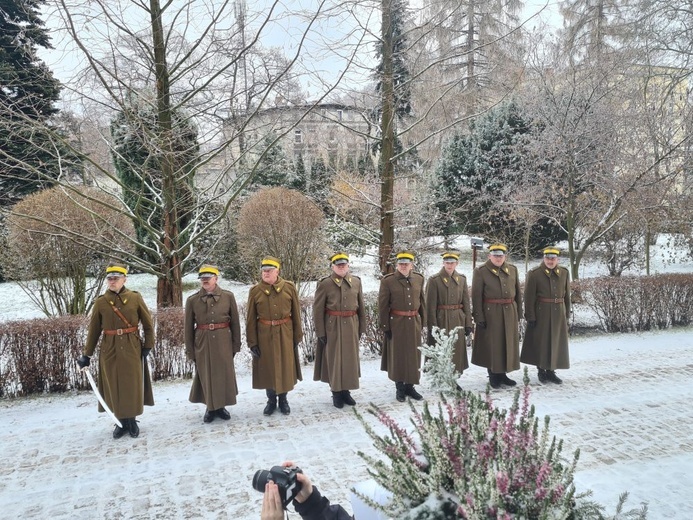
[{"x": 260, "y": 480}]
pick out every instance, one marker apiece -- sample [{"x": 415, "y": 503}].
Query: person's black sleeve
[{"x": 317, "y": 507}]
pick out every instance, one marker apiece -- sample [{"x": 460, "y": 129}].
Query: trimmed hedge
[
  {"x": 39, "y": 356},
  {"x": 635, "y": 303}
]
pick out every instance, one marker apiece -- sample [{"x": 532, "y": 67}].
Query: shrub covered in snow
[
  {"x": 439, "y": 365},
  {"x": 633, "y": 303}
]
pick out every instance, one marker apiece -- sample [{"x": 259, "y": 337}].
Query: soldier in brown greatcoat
[
  {"x": 496, "y": 306},
  {"x": 447, "y": 306},
  {"x": 124, "y": 380},
  {"x": 547, "y": 309},
  {"x": 273, "y": 332},
  {"x": 402, "y": 314},
  {"x": 212, "y": 339},
  {"x": 340, "y": 320}
]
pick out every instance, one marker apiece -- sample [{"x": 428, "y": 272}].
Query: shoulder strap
[{"x": 120, "y": 314}]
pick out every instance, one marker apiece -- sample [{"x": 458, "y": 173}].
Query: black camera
[{"x": 284, "y": 478}]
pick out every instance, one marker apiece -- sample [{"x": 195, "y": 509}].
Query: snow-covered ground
[{"x": 625, "y": 404}]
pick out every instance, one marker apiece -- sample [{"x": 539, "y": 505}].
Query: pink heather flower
[
  {"x": 558, "y": 492},
  {"x": 544, "y": 471},
  {"x": 540, "y": 493},
  {"x": 502, "y": 481}
]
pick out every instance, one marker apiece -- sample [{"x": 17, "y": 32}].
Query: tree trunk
[
  {"x": 169, "y": 291},
  {"x": 387, "y": 173}
]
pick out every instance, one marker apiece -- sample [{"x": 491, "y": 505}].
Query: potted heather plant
[{"x": 472, "y": 460}]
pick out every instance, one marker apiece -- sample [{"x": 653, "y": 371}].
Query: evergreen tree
[
  {"x": 273, "y": 168},
  {"x": 299, "y": 182},
  {"x": 137, "y": 159},
  {"x": 28, "y": 157},
  {"x": 320, "y": 183},
  {"x": 474, "y": 174}
]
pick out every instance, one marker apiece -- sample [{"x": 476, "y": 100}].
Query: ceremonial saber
[{"x": 98, "y": 396}]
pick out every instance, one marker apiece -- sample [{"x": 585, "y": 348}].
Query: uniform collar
[
  {"x": 497, "y": 270},
  {"x": 277, "y": 287},
  {"x": 455, "y": 277},
  {"x": 216, "y": 293},
  {"x": 338, "y": 279}
]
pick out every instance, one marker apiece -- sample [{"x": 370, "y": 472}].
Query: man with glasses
[
  {"x": 340, "y": 320},
  {"x": 124, "y": 380},
  {"x": 496, "y": 306}
]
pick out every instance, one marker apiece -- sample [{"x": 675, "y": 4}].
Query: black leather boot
[
  {"x": 133, "y": 429},
  {"x": 411, "y": 392},
  {"x": 223, "y": 413},
  {"x": 399, "y": 394},
  {"x": 541, "y": 374},
  {"x": 209, "y": 416},
  {"x": 118, "y": 432},
  {"x": 284, "y": 404},
  {"x": 337, "y": 400},
  {"x": 551, "y": 376},
  {"x": 494, "y": 380},
  {"x": 271, "y": 402},
  {"x": 505, "y": 380},
  {"x": 346, "y": 397}
]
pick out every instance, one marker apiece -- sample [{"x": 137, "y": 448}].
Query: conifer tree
[
  {"x": 138, "y": 164},
  {"x": 28, "y": 155}
]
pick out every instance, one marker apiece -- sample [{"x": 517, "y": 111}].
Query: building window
[
  {"x": 298, "y": 136},
  {"x": 340, "y": 113}
]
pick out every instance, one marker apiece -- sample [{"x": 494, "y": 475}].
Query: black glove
[
  {"x": 145, "y": 353},
  {"x": 531, "y": 324},
  {"x": 388, "y": 334},
  {"x": 83, "y": 361},
  {"x": 255, "y": 352},
  {"x": 468, "y": 331},
  {"x": 322, "y": 341},
  {"x": 481, "y": 324}
]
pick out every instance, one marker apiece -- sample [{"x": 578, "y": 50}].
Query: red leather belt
[
  {"x": 450, "y": 307},
  {"x": 274, "y": 322},
  {"x": 551, "y": 300},
  {"x": 403, "y": 313},
  {"x": 500, "y": 301},
  {"x": 341, "y": 314},
  {"x": 213, "y": 326},
  {"x": 120, "y": 332}
]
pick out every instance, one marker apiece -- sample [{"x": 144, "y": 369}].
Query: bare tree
[
  {"x": 591, "y": 159},
  {"x": 199, "y": 58},
  {"x": 51, "y": 250},
  {"x": 287, "y": 225}
]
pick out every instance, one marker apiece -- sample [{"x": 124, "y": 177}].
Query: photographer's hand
[
  {"x": 271, "y": 503},
  {"x": 306, "y": 484}
]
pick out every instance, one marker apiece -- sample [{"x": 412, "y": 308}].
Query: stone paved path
[{"x": 625, "y": 403}]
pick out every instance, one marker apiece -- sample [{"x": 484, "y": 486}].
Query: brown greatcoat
[
  {"x": 497, "y": 346},
  {"x": 214, "y": 383},
  {"x": 124, "y": 381},
  {"x": 443, "y": 290},
  {"x": 401, "y": 356},
  {"x": 546, "y": 345},
  {"x": 278, "y": 367},
  {"x": 337, "y": 363}
]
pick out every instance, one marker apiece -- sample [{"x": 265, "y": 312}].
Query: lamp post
[{"x": 477, "y": 244}]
